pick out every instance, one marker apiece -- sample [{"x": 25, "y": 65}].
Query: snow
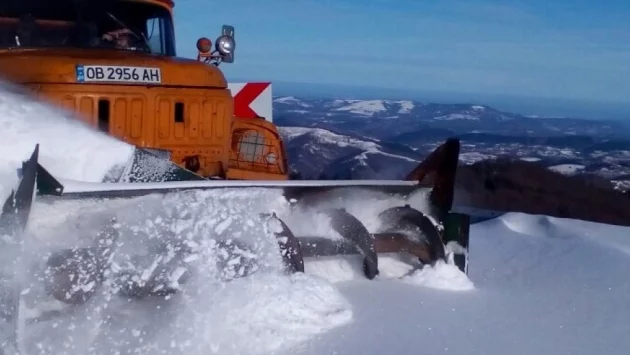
[
  {"x": 363, "y": 107},
  {"x": 474, "y": 157},
  {"x": 323, "y": 136},
  {"x": 541, "y": 287},
  {"x": 567, "y": 169},
  {"x": 456, "y": 116},
  {"x": 291, "y": 100},
  {"x": 405, "y": 106},
  {"x": 289, "y": 133},
  {"x": 214, "y": 311},
  {"x": 68, "y": 148},
  {"x": 286, "y": 99},
  {"x": 441, "y": 276},
  {"x": 621, "y": 185},
  {"x": 369, "y": 108},
  {"x": 530, "y": 159},
  {"x": 536, "y": 284}
]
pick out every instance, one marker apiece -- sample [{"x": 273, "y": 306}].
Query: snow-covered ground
[
  {"x": 542, "y": 286},
  {"x": 536, "y": 285}
]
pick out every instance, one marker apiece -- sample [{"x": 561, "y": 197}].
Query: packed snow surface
[
  {"x": 542, "y": 285},
  {"x": 536, "y": 285}
]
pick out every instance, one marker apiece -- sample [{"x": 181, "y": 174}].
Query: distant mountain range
[{"x": 385, "y": 138}]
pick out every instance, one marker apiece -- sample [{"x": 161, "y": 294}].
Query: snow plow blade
[
  {"x": 427, "y": 236},
  {"x": 13, "y": 221}
]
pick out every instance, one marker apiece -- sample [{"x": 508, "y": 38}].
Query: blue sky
[{"x": 572, "y": 49}]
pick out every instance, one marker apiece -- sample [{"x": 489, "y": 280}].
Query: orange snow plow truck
[{"x": 114, "y": 64}]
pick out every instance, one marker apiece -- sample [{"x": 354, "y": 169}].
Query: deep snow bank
[
  {"x": 542, "y": 286},
  {"x": 68, "y": 148}
]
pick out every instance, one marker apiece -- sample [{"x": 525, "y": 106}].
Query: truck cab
[{"x": 113, "y": 64}]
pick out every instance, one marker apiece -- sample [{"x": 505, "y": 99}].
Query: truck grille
[{"x": 178, "y": 119}]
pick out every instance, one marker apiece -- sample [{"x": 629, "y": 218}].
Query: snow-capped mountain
[
  {"x": 320, "y": 153},
  {"x": 382, "y": 138},
  {"x": 392, "y": 120}
]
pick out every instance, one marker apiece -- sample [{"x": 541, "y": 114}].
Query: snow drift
[{"x": 543, "y": 285}]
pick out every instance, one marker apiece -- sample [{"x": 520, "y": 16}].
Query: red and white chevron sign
[{"x": 252, "y": 100}]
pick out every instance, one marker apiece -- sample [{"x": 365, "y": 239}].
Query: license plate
[{"x": 118, "y": 74}]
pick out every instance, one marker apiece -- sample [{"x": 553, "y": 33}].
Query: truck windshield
[{"x": 118, "y": 24}]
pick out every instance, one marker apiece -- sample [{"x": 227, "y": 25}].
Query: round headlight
[
  {"x": 225, "y": 44},
  {"x": 271, "y": 158}
]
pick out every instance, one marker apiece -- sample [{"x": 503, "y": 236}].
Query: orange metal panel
[
  {"x": 164, "y": 119},
  {"x": 219, "y": 110},
  {"x": 136, "y": 118},
  {"x": 118, "y": 119},
  {"x": 87, "y": 107},
  {"x": 207, "y": 120},
  {"x": 194, "y": 116}
]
